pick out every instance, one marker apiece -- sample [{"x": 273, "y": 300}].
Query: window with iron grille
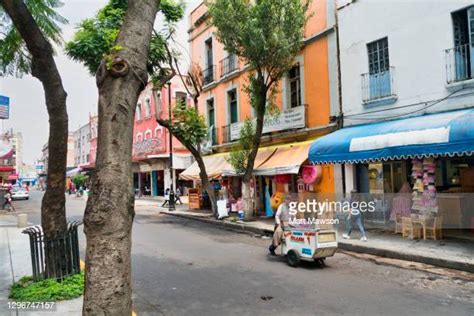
[
  {"x": 378, "y": 56},
  {"x": 295, "y": 86},
  {"x": 181, "y": 99}
]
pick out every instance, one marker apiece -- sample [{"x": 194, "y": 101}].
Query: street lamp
[{"x": 171, "y": 206}]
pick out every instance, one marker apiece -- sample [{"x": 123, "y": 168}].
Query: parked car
[{"x": 20, "y": 194}]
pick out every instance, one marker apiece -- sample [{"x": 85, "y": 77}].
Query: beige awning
[{"x": 215, "y": 165}]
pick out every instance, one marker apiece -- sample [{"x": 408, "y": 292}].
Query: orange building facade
[{"x": 308, "y": 100}]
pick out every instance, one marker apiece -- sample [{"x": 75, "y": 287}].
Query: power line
[{"x": 405, "y": 106}]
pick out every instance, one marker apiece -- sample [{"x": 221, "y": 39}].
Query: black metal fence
[{"x": 54, "y": 258}]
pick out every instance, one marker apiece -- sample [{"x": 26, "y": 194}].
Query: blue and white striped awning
[{"x": 441, "y": 134}]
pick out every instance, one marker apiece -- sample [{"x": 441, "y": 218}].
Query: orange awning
[
  {"x": 263, "y": 155},
  {"x": 286, "y": 160}
]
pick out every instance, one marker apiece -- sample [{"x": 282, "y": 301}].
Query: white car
[{"x": 20, "y": 194}]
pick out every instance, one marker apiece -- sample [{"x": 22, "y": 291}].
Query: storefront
[
  {"x": 283, "y": 168},
  {"x": 428, "y": 158}
]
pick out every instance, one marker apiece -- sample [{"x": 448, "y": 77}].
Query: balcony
[
  {"x": 459, "y": 64},
  {"x": 378, "y": 88},
  {"x": 228, "y": 65},
  {"x": 208, "y": 74}
]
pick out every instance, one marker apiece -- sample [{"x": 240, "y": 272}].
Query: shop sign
[
  {"x": 147, "y": 146},
  {"x": 289, "y": 119},
  {"x": 4, "y": 107}
]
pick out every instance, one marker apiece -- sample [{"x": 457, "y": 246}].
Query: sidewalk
[
  {"x": 15, "y": 263},
  {"x": 447, "y": 253}
]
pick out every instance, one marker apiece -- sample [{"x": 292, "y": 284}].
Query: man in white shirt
[{"x": 282, "y": 217}]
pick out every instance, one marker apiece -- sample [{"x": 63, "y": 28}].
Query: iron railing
[
  {"x": 228, "y": 65},
  {"x": 376, "y": 86},
  {"x": 208, "y": 74},
  {"x": 458, "y": 63},
  {"x": 54, "y": 258}
]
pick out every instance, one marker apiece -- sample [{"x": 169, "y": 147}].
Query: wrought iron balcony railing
[
  {"x": 228, "y": 65},
  {"x": 377, "y": 85},
  {"x": 209, "y": 74},
  {"x": 459, "y": 63}
]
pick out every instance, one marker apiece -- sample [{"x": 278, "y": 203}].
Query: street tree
[
  {"x": 266, "y": 35},
  {"x": 120, "y": 46},
  {"x": 96, "y": 36},
  {"x": 27, "y": 29}
]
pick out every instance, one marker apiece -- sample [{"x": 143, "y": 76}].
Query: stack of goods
[
  {"x": 429, "y": 193},
  {"x": 418, "y": 188},
  {"x": 424, "y": 189}
]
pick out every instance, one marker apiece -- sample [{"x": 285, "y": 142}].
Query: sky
[{"x": 28, "y": 113}]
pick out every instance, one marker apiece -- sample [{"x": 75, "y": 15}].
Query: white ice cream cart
[{"x": 309, "y": 244}]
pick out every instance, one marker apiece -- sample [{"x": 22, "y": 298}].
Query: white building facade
[
  {"x": 405, "y": 58},
  {"x": 82, "y": 145}
]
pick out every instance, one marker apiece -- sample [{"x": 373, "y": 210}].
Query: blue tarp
[{"x": 441, "y": 134}]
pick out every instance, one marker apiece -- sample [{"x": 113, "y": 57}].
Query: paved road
[{"x": 182, "y": 267}]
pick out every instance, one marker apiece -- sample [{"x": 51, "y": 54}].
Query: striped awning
[{"x": 287, "y": 159}]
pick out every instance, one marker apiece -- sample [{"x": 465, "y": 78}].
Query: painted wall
[
  {"x": 150, "y": 138},
  {"x": 321, "y": 97},
  {"x": 418, "y": 34}
]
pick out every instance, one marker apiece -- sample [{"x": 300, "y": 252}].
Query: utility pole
[{"x": 171, "y": 201}]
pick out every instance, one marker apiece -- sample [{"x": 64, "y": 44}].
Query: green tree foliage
[
  {"x": 238, "y": 157},
  {"x": 267, "y": 35},
  {"x": 188, "y": 125},
  {"x": 96, "y": 36},
  {"x": 79, "y": 180},
  {"x": 14, "y": 56}
]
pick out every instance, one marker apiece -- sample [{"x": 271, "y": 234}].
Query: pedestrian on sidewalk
[
  {"x": 8, "y": 201},
  {"x": 354, "y": 216},
  {"x": 167, "y": 197},
  {"x": 282, "y": 218},
  {"x": 178, "y": 197}
]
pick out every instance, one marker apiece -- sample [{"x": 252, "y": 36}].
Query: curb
[
  {"x": 450, "y": 264},
  {"x": 232, "y": 226}
]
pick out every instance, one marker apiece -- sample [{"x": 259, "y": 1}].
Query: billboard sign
[{"x": 4, "y": 107}]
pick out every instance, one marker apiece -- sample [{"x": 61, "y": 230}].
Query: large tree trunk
[
  {"x": 206, "y": 184},
  {"x": 110, "y": 208},
  {"x": 43, "y": 67}
]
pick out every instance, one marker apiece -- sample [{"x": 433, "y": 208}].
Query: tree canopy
[
  {"x": 15, "y": 59},
  {"x": 95, "y": 37}
]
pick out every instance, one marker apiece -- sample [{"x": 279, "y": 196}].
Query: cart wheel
[
  {"x": 320, "y": 262},
  {"x": 293, "y": 258}
]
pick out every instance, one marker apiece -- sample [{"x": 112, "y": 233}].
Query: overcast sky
[{"x": 28, "y": 113}]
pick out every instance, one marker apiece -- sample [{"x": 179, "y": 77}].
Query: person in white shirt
[{"x": 282, "y": 217}]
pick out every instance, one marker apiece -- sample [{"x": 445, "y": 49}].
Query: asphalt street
[{"x": 183, "y": 267}]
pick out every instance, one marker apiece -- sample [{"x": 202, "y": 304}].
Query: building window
[
  {"x": 462, "y": 54},
  {"x": 87, "y": 158},
  {"x": 181, "y": 99},
  {"x": 147, "y": 107},
  {"x": 138, "y": 112},
  {"x": 378, "y": 56},
  {"x": 158, "y": 104},
  {"x": 233, "y": 106},
  {"x": 295, "y": 86},
  {"x": 208, "y": 72},
  {"x": 211, "y": 121},
  {"x": 377, "y": 83}
]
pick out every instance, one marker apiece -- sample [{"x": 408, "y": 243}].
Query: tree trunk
[
  {"x": 110, "y": 209},
  {"x": 261, "y": 107},
  {"x": 206, "y": 184},
  {"x": 43, "y": 67}
]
